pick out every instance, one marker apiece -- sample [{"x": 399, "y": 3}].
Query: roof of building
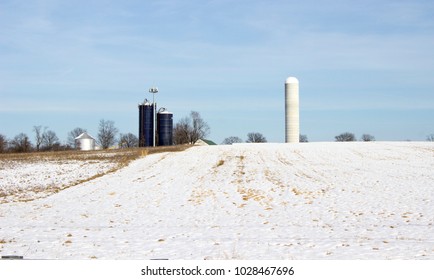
[
  {"x": 203, "y": 142},
  {"x": 84, "y": 135}
]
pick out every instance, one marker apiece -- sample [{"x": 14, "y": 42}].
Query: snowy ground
[
  {"x": 25, "y": 177},
  {"x": 265, "y": 201},
  {"x": 22, "y": 181}
]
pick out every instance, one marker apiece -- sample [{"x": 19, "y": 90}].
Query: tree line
[
  {"x": 254, "y": 137},
  {"x": 187, "y": 131},
  {"x": 47, "y": 140},
  {"x": 348, "y": 137}
]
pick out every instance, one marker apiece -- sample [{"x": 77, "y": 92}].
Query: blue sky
[{"x": 363, "y": 66}]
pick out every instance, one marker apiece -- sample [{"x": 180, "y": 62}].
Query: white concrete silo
[
  {"x": 85, "y": 142},
  {"x": 292, "y": 115}
]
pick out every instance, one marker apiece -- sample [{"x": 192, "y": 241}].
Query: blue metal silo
[
  {"x": 165, "y": 127},
  {"x": 146, "y": 124}
]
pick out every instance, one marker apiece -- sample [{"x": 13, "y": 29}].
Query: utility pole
[{"x": 153, "y": 90}]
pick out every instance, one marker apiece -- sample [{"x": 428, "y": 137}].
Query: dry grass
[
  {"x": 120, "y": 155},
  {"x": 117, "y": 158}
]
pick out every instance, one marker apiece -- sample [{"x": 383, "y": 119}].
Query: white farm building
[{"x": 85, "y": 142}]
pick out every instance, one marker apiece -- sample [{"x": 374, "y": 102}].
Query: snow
[
  {"x": 246, "y": 201},
  {"x": 21, "y": 181}
]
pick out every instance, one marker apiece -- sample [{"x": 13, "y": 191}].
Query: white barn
[{"x": 85, "y": 142}]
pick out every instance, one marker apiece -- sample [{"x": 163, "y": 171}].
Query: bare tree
[
  {"x": 190, "y": 129},
  {"x": 181, "y": 132},
  {"x": 39, "y": 135},
  {"x": 345, "y": 137},
  {"x": 303, "y": 138},
  {"x": 107, "y": 133},
  {"x": 430, "y": 138},
  {"x": 255, "y": 137},
  {"x": 74, "y": 134},
  {"x": 128, "y": 140},
  {"x": 367, "y": 138},
  {"x": 232, "y": 139},
  {"x": 50, "y": 140},
  {"x": 200, "y": 128},
  {"x": 3, "y": 143},
  {"x": 21, "y": 144}
]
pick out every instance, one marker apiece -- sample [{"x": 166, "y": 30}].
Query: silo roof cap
[
  {"x": 163, "y": 111},
  {"x": 84, "y": 135},
  {"x": 291, "y": 80}
]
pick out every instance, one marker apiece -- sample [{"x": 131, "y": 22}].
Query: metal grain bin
[
  {"x": 165, "y": 127},
  {"x": 146, "y": 124},
  {"x": 85, "y": 142}
]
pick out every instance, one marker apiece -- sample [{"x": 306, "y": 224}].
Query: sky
[{"x": 363, "y": 66}]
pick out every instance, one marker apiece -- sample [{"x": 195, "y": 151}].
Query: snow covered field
[
  {"x": 264, "y": 201},
  {"x": 26, "y": 181},
  {"x": 25, "y": 177}
]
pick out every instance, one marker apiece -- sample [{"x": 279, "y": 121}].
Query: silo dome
[{"x": 291, "y": 80}]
